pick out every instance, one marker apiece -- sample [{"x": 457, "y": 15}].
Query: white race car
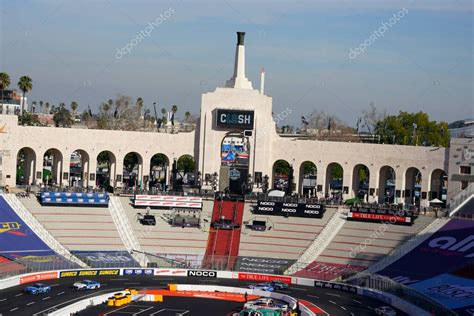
[
  {"x": 267, "y": 303},
  {"x": 86, "y": 285}
]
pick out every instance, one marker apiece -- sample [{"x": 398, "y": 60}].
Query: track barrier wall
[{"x": 48, "y": 275}]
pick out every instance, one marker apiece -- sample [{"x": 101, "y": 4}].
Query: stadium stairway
[
  {"x": 320, "y": 243},
  {"x": 186, "y": 244},
  {"x": 77, "y": 228},
  {"x": 41, "y": 231},
  {"x": 284, "y": 238},
  {"x": 223, "y": 244}
]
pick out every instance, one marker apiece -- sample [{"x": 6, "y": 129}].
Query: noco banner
[
  {"x": 226, "y": 119},
  {"x": 289, "y": 209}
]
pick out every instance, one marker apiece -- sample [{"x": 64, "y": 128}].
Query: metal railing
[{"x": 378, "y": 282}]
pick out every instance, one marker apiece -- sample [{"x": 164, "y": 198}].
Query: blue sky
[{"x": 423, "y": 62}]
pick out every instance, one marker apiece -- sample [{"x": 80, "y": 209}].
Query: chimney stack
[
  {"x": 239, "y": 80},
  {"x": 262, "y": 81}
]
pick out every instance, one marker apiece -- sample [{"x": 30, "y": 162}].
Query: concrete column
[
  {"x": 92, "y": 169},
  {"x": 30, "y": 163},
  {"x": 374, "y": 183},
  {"x": 145, "y": 168},
  {"x": 425, "y": 187},
  {"x": 347, "y": 181},
  {"x": 400, "y": 184},
  {"x": 63, "y": 166},
  {"x": 321, "y": 180},
  {"x": 296, "y": 179},
  {"x": 39, "y": 169},
  {"x": 118, "y": 171}
]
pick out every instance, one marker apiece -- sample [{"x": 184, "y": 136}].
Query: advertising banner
[
  {"x": 262, "y": 265},
  {"x": 39, "y": 277},
  {"x": 379, "y": 217},
  {"x": 171, "y": 272},
  {"x": 202, "y": 274},
  {"x": 263, "y": 277},
  {"x": 327, "y": 271},
  {"x": 289, "y": 209},
  {"x": 88, "y": 273},
  {"x": 336, "y": 286},
  {"x": 110, "y": 259},
  {"x": 139, "y": 272},
  {"x": 450, "y": 246}
]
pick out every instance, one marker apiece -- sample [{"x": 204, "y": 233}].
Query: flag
[
  {"x": 172, "y": 119},
  {"x": 358, "y": 123},
  {"x": 90, "y": 112},
  {"x": 329, "y": 124},
  {"x": 116, "y": 112}
]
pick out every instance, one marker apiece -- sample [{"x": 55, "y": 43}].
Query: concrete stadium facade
[{"x": 265, "y": 147}]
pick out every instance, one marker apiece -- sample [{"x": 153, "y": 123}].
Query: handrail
[
  {"x": 40, "y": 230},
  {"x": 125, "y": 230},
  {"x": 320, "y": 242}
]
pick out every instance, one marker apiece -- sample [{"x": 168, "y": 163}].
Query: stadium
[{"x": 233, "y": 235}]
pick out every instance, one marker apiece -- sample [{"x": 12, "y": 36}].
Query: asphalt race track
[{"x": 14, "y": 302}]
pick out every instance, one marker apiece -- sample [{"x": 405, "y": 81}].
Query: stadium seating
[
  {"x": 285, "y": 238},
  {"x": 358, "y": 245},
  {"x": 166, "y": 240},
  {"x": 78, "y": 227}
]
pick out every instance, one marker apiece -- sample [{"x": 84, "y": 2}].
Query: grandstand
[
  {"x": 165, "y": 240},
  {"x": 79, "y": 228}
]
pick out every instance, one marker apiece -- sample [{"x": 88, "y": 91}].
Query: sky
[{"x": 318, "y": 55}]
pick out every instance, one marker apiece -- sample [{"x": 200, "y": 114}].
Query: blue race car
[
  {"x": 37, "y": 288},
  {"x": 262, "y": 286},
  {"x": 86, "y": 285}
]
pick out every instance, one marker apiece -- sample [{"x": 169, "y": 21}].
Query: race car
[
  {"x": 385, "y": 311},
  {"x": 37, "y": 288},
  {"x": 266, "y": 303},
  {"x": 277, "y": 285},
  {"x": 262, "y": 286},
  {"x": 86, "y": 285}
]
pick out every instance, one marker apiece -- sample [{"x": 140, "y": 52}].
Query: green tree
[
  {"x": 281, "y": 167},
  {"x": 4, "y": 82},
  {"x": 130, "y": 161},
  {"x": 412, "y": 129},
  {"x": 74, "y": 107},
  {"x": 336, "y": 171},
  {"x": 309, "y": 168},
  {"x": 25, "y": 84},
  {"x": 186, "y": 164},
  {"x": 62, "y": 117},
  {"x": 186, "y": 116}
]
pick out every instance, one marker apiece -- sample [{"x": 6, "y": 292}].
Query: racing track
[{"x": 14, "y": 302}]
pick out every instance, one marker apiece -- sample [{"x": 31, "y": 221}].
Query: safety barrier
[{"x": 388, "y": 298}]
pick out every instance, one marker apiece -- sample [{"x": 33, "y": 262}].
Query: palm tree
[
  {"x": 4, "y": 82},
  {"x": 25, "y": 84},
  {"x": 163, "y": 118},
  {"x": 174, "y": 108},
  {"x": 47, "y": 107},
  {"x": 41, "y": 106},
  {"x": 186, "y": 116}
]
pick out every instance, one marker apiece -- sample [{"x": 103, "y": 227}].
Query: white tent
[{"x": 436, "y": 201}]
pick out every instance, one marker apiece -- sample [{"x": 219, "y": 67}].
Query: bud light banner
[
  {"x": 112, "y": 259},
  {"x": 289, "y": 209},
  {"x": 450, "y": 247}
]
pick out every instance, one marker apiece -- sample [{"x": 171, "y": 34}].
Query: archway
[
  {"x": 132, "y": 170},
  {"x": 25, "y": 166},
  {"x": 387, "y": 190},
  {"x": 360, "y": 182},
  {"x": 52, "y": 167},
  {"x": 413, "y": 186},
  {"x": 282, "y": 175},
  {"x": 79, "y": 169},
  {"x": 334, "y": 181},
  {"x": 438, "y": 185},
  {"x": 105, "y": 170},
  {"x": 159, "y": 166},
  {"x": 308, "y": 177},
  {"x": 183, "y": 173}
]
